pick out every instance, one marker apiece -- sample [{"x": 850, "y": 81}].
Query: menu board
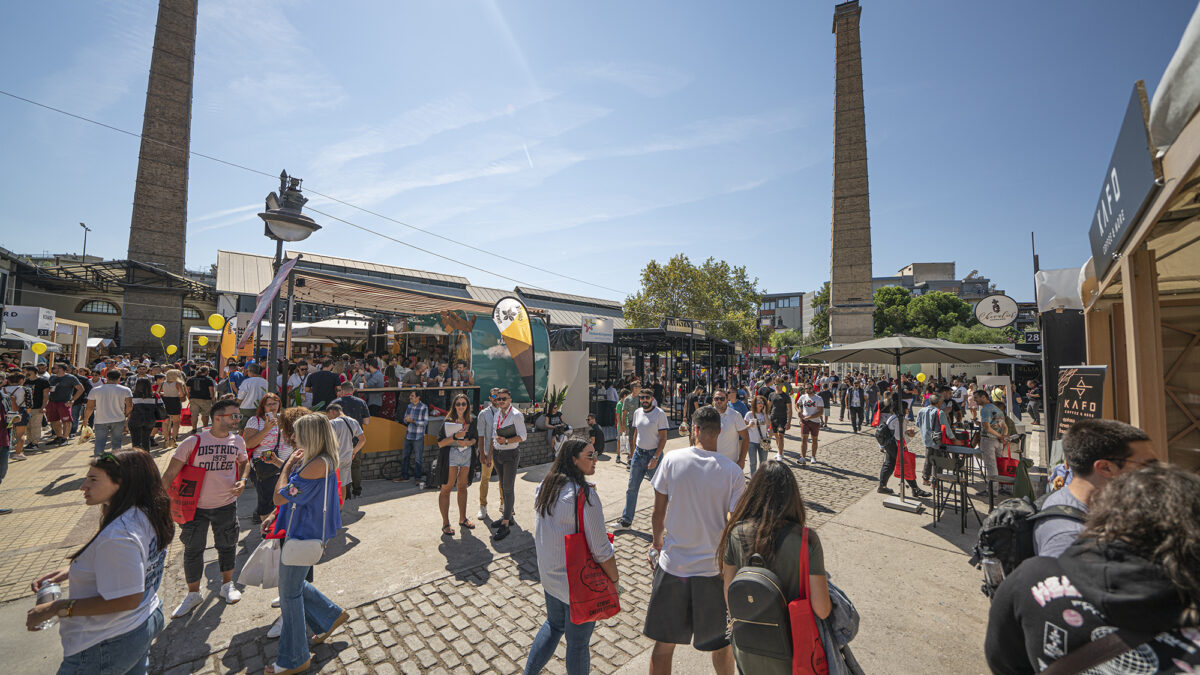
[{"x": 1080, "y": 396}]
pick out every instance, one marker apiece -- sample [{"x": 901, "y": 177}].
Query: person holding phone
[{"x": 269, "y": 449}]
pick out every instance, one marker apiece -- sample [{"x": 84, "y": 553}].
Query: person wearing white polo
[{"x": 734, "y": 441}]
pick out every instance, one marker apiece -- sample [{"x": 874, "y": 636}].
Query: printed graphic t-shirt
[
  {"x": 218, "y": 457},
  {"x": 124, "y": 559}
]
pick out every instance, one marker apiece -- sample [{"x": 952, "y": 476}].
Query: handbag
[
  {"x": 764, "y": 440},
  {"x": 160, "y": 410},
  {"x": 593, "y": 593},
  {"x": 306, "y": 552},
  {"x": 808, "y": 656},
  {"x": 1007, "y": 466},
  {"x": 185, "y": 488},
  {"x": 908, "y": 461},
  {"x": 262, "y": 567}
]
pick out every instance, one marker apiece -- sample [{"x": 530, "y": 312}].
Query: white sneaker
[
  {"x": 190, "y": 602},
  {"x": 779, "y": 458},
  {"x": 276, "y": 628},
  {"x": 275, "y": 603},
  {"x": 482, "y": 515},
  {"x": 230, "y": 593}
]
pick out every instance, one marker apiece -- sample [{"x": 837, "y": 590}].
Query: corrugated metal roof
[
  {"x": 319, "y": 259},
  {"x": 567, "y": 297},
  {"x": 243, "y": 273},
  {"x": 488, "y": 294}
]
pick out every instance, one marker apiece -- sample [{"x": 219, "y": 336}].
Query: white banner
[
  {"x": 597, "y": 329},
  {"x": 264, "y": 301}
]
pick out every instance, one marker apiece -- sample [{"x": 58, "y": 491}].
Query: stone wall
[{"x": 535, "y": 450}]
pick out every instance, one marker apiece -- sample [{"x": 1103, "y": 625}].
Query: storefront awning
[
  {"x": 336, "y": 291},
  {"x": 15, "y": 339}
]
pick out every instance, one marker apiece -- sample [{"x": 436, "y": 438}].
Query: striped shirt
[{"x": 550, "y": 529}]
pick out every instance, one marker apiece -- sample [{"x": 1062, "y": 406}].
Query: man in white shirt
[
  {"x": 611, "y": 392},
  {"x": 648, "y": 436},
  {"x": 112, "y": 402},
  {"x": 507, "y": 453},
  {"x": 734, "y": 441},
  {"x": 958, "y": 394},
  {"x": 695, "y": 489},
  {"x": 250, "y": 392},
  {"x": 812, "y": 409},
  {"x": 484, "y": 433},
  {"x": 350, "y": 441}
]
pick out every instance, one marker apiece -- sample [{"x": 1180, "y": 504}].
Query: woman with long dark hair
[
  {"x": 555, "y": 504},
  {"x": 455, "y": 450},
  {"x": 759, "y": 428},
  {"x": 770, "y": 520},
  {"x": 1132, "y": 572},
  {"x": 144, "y": 415},
  {"x": 113, "y": 612}
]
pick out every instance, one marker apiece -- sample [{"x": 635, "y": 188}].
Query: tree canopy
[
  {"x": 722, "y": 295},
  {"x": 820, "y": 320},
  {"x": 937, "y": 314}
]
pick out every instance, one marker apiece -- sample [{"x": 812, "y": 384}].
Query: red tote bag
[
  {"x": 808, "y": 656},
  {"x": 185, "y": 488},
  {"x": 1007, "y": 466},
  {"x": 593, "y": 593},
  {"x": 907, "y": 461}
]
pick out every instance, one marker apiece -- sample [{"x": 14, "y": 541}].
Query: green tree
[
  {"x": 891, "y": 310},
  {"x": 785, "y": 339},
  {"x": 820, "y": 320},
  {"x": 979, "y": 334},
  {"x": 722, "y": 295},
  {"x": 934, "y": 313}
]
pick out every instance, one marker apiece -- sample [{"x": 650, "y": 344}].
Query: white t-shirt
[
  {"x": 811, "y": 405},
  {"x": 648, "y": 425},
  {"x": 755, "y": 437},
  {"x": 124, "y": 559},
  {"x": 251, "y": 391},
  {"x": 110, "y": 402},
  {"x": 283, "y": 450},
  {"x": 345, "y": 429},
  {"x": 729, "y": 443},
  {"x": 703, "y": 487},
  {"x": 959, "y": 395}
]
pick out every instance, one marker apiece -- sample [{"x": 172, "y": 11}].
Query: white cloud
[{"x": 647, "y": 79}]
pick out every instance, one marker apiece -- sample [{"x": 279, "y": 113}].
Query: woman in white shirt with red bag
[{"x": 113, "y": 611}]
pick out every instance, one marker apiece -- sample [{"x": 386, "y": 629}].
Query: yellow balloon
[
  {"x": 38, "y": 348},
  {"x": 171, "y": 349},
  {"x": 158, "y": 330},
  {"x": 920, "y": 377},
  {"x": 203, "y": 340},
  {"x": 216, "y": 321}
]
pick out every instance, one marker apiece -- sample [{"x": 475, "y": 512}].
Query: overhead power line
[{"x": 343, "y": 202}]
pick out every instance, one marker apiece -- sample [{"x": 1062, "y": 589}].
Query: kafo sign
[
  {"x": 1128, "y": 185},
  {"x": 996, "y": 311},
  {"x": 1080, "y": 396}
]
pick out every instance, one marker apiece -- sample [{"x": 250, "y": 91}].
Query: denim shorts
[{"x": 459, "y": 457}]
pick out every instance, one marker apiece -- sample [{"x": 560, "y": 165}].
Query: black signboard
[
  {"x": 1080, "y": 396},
  {"x": 1129, "y": 183}
]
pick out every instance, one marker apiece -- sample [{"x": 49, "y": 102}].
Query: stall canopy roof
[{"x": 326, "y": 288}]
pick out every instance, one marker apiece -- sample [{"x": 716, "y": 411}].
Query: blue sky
[{"x": 589, "y": 138}]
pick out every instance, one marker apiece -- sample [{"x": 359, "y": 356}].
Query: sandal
[
  {"x": 318, "y": 639},
  {"x": 447, "y": 531},
  {"x": 276, "y": 669},
  {"x": 467, "y": 524}
]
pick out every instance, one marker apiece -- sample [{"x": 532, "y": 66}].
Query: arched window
[
  {"x": 191, "y": 313},
  {"x": 98, "y": 307}
]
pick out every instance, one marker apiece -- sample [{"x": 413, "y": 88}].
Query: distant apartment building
[
  {"x": 788, "y": 311},
  {"x": 922, "y": 278}
]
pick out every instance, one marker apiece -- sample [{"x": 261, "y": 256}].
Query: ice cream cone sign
[{"x": 512, "y": 319}]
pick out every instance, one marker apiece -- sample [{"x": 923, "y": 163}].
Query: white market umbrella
[{"x": 898, "y": 350}]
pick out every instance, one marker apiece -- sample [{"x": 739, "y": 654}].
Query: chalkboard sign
[{"x": 1080, "y": 396}]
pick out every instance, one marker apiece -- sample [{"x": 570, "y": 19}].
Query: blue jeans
[
  {"x": 76, "y": 413},
  {"x": 558, "y": 622},
  {"x": 112, "y": 433},
  {"x": 638, "y": 465},
  {"x": 125, "y": 654},
  {"x": 301, "y": 605},
  {"x": 415, "y": 448},
  {"x": 757, "y": 455}
]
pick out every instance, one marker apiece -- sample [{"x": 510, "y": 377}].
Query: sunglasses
[
  {"x": 646, "y": 398},
  {"x": 460, "y": 404},
  {"x": 235, "y": 416},
  {"x": 503, "y": 398}
]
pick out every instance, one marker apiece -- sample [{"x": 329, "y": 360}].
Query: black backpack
[
  {"x": 1006, "y": 536},
  {"x": 759, "y": 611},
  {"x": 884, "y": 434}
]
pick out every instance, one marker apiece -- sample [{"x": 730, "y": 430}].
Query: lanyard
[{"x": 500, "y": 422}]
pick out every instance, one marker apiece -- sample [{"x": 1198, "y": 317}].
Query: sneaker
[
  {"x": 276, "y": 628},
  {"x": 230, "y": 593},
  {"x": 5, "y": 512},
  {"x": 190, "y": 601},
  {"x": 275, "y": 602},
  {"x": 884, "y": 490},
  {"x": 624, "y": 524},
  {"x": 19, "y": 458},
  {"x": 918, "y": 492}
]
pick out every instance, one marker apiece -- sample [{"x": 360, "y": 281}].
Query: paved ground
[{"x": 420, "y": 603}]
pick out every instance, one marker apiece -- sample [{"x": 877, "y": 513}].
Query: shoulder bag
[
  {"x": 307, "y": 552},
  {"x": 185, "y": 488},
  {"x": 764, "y": 440},
  {"x": 593, "y": 594},
  {"x": 808, "y": 656}
]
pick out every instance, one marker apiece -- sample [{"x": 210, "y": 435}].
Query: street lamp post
[
  {"x": 283, "y": 221},
  {"x": 86, "y": 229}
]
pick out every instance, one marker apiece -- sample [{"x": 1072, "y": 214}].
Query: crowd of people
[{"x": 1106, "y": 562}]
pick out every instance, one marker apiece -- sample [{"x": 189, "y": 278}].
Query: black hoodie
[{"x": 1050, "y": 606}]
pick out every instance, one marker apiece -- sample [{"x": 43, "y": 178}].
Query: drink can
[
  {"x": 48, "y": 592},
  {"x": 652, "y": 556}
]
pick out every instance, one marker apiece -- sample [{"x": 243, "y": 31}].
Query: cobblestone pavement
[{"x": 483, "y": 619}]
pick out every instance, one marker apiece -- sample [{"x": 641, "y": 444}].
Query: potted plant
[{"x": 554, "y": 400}]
